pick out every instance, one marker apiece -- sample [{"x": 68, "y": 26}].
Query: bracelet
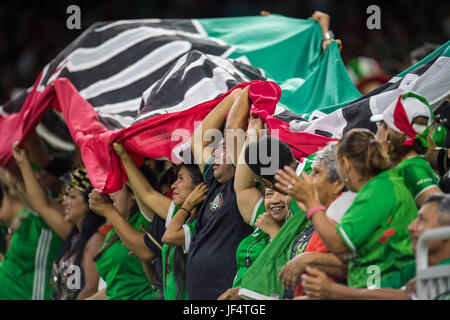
[
  {"x": 310, "y": 212},
  {"x": 329, "y": 35},
  {"x": 186, "y": 210}
]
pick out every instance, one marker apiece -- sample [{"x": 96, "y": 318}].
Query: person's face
[
  {"x": 122, "y": 200},
  {"x": 276, "y": 204},
  {"x": 382, "y": 134},
  {"x": 325, "y": 188},
  {"x": 427, "y": 219},
  {"x": 75, "y": 208},
  {"x": 223, "y": 169},
  {"x": 182, "y": 187}
]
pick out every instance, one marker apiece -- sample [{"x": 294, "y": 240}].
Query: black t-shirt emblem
[{"x": 217, "y": 203}]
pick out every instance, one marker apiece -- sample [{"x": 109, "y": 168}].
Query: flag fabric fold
[{"x": 138, "y": 81}]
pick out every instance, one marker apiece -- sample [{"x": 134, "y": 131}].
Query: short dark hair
[
  {"x": 58, "y": 166},
  {"x": 443, "y": 201},
  {"x": 267, "y": 155}
]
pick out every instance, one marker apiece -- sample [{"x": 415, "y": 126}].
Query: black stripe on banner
[
  {"x": 135, "y": 53},
  {"x": 183, "y": 80},
  {"x": 288, "y": 116},
  {"x": 54, "y": 123},
  {"x": 14, "y": 106},
  {"x": 92, "y": 39},
  {"x": 357, "y": 115}
]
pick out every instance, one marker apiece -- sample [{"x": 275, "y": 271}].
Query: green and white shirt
[
  {"x": 251, "y": 246},
  {"x": 167, "y": 253},
  {"x": 26, "y": 269},
  {"x": 375, "y": 227},
  {"x": 124, "y": 274},
  {"x": 418, "y": 175}
]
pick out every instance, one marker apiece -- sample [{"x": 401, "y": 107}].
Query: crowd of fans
[{"x": 193, "y": 231}]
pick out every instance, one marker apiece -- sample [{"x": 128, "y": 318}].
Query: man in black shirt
[{"x": 211, "y": 264}]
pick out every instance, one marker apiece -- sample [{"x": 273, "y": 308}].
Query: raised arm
[
  {"x": 102, "y": 205},
  {"x": 236, "y": 124},
  {"x": 15, "y": 184},
  {"x": 324, "y": 21},
  {"x": 247, "y": 194},
  {"x": 174, "y": 234},
  {"x": 38, "y": 198},
  {"x": 214, "y": 120},
  {"x": 142, "y": 188}
]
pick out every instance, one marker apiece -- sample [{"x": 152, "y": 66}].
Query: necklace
[{"x": 260, "y": 237}]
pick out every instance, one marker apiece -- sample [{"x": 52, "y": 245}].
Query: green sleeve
[
  {"x": 371, "y": 206},
  {"x": 418, "y": 179},
  {"x": 400, "y": 278},
  {"x": 188, "y": 234},
  {"x": 257, "y": 211}
]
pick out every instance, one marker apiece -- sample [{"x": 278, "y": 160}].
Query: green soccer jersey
[
  {"x": 399, "y": 279},
  {"x": 169, "y": 283},
  {"x": 251, "y": 246},
  {"x": 26, "y": 269},
  {"x": 375, "y": 227},
  {"x": 124, "y": 274},
  {"x": 417, "y": 174}
]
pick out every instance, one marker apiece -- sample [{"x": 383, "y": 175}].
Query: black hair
[
  {"x": 168, "y": 177},
  {"x": 58, "y": 166},
  {"x": 89, "y": 226},
  {"x": 195, "y": 173},
  {"x": 179, "y": 258},
  {"x": 267, "y": 155}
]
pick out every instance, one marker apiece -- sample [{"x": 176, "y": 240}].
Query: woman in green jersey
[
  {"x": 373, "y": 233},
  {"x": 173, "y": 257},
  {"x": 404, "y": 129},
  {"x": 123, "y": 273}
]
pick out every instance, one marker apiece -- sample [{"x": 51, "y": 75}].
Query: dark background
[{"x": 33, "y": 33}]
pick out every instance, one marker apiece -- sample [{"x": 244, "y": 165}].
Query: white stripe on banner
[
  {"x": 199, "y": 27},
  {"x": 41, "y": 254},
  {"x": 40, "y": 87},
  {"x": 86, "y": 58},
  {"x": 204, "y": 90},
  {"x": 129, "y": 105},
  {"x": 54, "y": 140},
  {"x": 142, "y": 68},
  {"x": 122, "y": 22}
]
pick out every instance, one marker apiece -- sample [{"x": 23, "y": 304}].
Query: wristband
[
  {"x": 186, "y": 210},
  {"x": 329, "y": 35},
  {"x": 312, "y": 211}
]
